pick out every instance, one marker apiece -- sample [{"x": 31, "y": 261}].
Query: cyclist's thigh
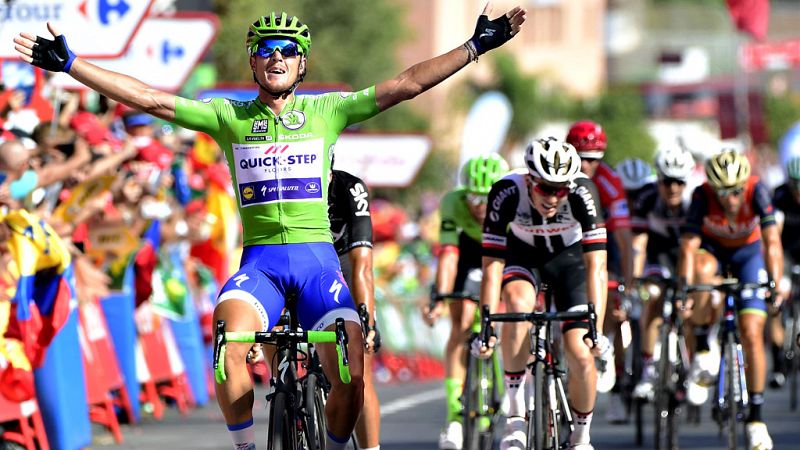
[
  {"x": 347, "y": 269},
  {"x": 520, "y": 278},
  {"x": 322, "y": 293},
  {"x": 255, "y": 288},
  {"x": 748, "y": 267}
]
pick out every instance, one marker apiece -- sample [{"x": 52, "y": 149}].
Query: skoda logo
[
  {"x": 312, "y": 187},
  {"x": 293, "y": 120},
  {"x": 247, "y": 193}
]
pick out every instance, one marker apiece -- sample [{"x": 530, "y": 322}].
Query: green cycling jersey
[
  {"x": 456, "y": 218},
  {"x": 279, "y": 164}
]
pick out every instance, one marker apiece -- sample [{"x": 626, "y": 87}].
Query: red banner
[{"x": 750, "y": 16}]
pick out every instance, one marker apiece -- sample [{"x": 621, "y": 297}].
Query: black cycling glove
[
  {"x": 490, "y": 34},
  {"x": 53, "y": 55}
]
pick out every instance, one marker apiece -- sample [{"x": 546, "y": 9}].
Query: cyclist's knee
[
  {"x": 752, "y": 329},
  {"x": 705, "y": 267},
  {"x": 577, "y": 350}
]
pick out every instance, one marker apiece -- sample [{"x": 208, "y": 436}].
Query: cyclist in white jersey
[
  {"x": 278, "y": 178},
  {"x": 545, "y": 225}
]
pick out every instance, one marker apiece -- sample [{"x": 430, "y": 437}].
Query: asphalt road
[{"x": 413, "y": 414}]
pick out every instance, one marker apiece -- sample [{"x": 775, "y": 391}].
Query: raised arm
[
  {"x": 489, "y": 34},
  {"x": 55, "y": 56}
]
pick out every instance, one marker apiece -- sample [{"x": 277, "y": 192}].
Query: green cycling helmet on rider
[
  {"x": 278, "y": 25},
  {"x": 479, "y": 173}
]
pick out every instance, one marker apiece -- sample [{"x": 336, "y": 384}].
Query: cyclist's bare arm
[
  {"x": 624, "y": 240},
  {"x": 639, "y": 253},
  {"x": 363, "y": 288},
  {"x": 690, "y": 243},
  {"x": 427, "y": 74},
  {"x": 446, "y": 269},
  {"x": 120, "y": 87},
  {"x": 491, "y": 282},
  {"x": 773, "y": 251},
  {"x": 125, "y": 89},
  {"x": 597, "y": 282}
]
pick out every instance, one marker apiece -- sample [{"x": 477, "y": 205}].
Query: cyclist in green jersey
[
  {"x": 278, "y": 148},
  {"x": 459, "y": 268}
]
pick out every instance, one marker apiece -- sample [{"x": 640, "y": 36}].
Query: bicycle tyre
[
  {"x": 662, "y": 395},
  {"x": 470, "y": 404},
  {"x": 491, "y": 399},
  {"x": 732, "y": 381},
  {"x": 314, "y": 402},
  {"x": 793, "y": 357},
  {"x": 537, "y": 431},
  {"x": 282, "y": 432}
]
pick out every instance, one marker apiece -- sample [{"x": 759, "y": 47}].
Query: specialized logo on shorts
[
  {"x": 312, "y": 187},
  {"x": 241, "y": 278},
  {"x": 260, "y": 126},
  {"x": 336, "y": 288},
  {"x": 247, "y": 193},
  {"x": 293, "y": 120}
]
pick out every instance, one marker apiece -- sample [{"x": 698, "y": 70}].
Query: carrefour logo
[{"x": 106, "y": 10}]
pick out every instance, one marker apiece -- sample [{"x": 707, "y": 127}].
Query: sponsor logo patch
[
  {"x": 255, "y": 138},
  {"x": 260, "y": 126},
  {"x": 293, "y": 120},
  {"x": 247, "y": 193},
  {"x": 312, "y": 187}
]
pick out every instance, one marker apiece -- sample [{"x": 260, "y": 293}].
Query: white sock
[
  {"x": 243, "y": 435},
  {"x": 377, "y": 447},
  {"x": 332, "y": 442},
  {"x": 583, "y": 421},
  {"x": 514, "y": 404}
]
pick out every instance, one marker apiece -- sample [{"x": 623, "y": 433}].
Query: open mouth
[{"x": 276, "y": 71}]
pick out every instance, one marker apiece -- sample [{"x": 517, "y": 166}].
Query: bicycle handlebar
[
  {"x": 730, "y": 285},
  {"x": 337, "y": 336},
  {"x": 540, "y": 318},
  {"x": 440, "y": 297}
]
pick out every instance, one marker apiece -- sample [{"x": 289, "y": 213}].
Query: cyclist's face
[
  {"x": 589, "y": 166},
  {"x": 277, "y": 72},
  {"x": 731, "y": 202},
  {"x": 671, "y": 191},
  {"x": 545, "y": 201},
  {"x": 476, "y": 204}
]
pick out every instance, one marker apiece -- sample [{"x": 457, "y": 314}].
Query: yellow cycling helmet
[{"x": 728, "y": 169}]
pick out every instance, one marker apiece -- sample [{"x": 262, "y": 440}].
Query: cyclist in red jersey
[
  {"x": 728, "y": 218},
  {"x": 590, "y": 141}
]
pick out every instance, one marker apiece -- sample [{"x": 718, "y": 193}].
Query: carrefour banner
[{"x": 94, "y": 28}]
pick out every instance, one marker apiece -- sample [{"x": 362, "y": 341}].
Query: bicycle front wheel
[
  {"x": 663, "y": 405},
  {"x": 537, "y": 431},
  {"x": 314, "y": 402},
  {"x": 282, "y": 431},
  {"x": 470, "y": 401},
  {"x": 732, "y": 391},
  {"x": 792, "y": 356}
]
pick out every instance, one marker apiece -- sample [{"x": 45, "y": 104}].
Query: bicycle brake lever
[
  {"x": 592, "y": 334},
  {"x": 342, "y": 340}
]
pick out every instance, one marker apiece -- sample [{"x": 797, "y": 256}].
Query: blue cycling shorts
[
  {"x": 747, "y": 265},
  {"x": 310, "y": 272}
]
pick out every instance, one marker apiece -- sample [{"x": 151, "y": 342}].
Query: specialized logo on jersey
[
  {"x": 260, "y": 126},
  {"x": 279, "y": 172},
  {"x": 359, "y": 194},
  {"x": 293, "y": 120}
]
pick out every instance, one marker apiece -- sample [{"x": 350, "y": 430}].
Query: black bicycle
[
  {"x": 296, "y": 403},
  {"x": 549, "y": 417},
  {"x": 483, "y": 386},
  {"x": 730, "y": 395},
  {"x": 791, "y": 341}
]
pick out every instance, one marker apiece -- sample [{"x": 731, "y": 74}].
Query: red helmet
[{"x": 588, "y": 138}]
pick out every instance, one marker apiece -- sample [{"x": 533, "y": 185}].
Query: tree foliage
[{"x": 782, "y": 113}]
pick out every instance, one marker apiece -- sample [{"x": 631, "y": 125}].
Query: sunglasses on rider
[
  {"x": 288, "y": 48},
  {"x": 669, "y": 181},
  {"x": 477, "y": 199},
  {"x": 548, "y": 190},
  {"x": 730, "y": 191}
]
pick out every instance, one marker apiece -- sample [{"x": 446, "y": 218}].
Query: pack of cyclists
[{"x": 566, "y": 221}]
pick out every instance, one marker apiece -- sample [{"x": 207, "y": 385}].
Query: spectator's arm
[
  {"x": 53, "y": 173},
  {"x": 111, "y": 162}
]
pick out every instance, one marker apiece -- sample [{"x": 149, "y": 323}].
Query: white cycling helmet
[
  {"x": 552, "y": 160},
  {"x": 674, "y": 163},
  {"x": 635, "y": 173}
]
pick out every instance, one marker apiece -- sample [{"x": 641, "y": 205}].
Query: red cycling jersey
[
  {"x": 612, "y": 197},
  {"x": 707, "y": 218}
]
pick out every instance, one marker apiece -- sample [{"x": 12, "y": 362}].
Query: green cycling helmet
[
  {"x": 793, "y": 168},
  {"x": 278, "y": 25},
  {"x": 480, "y": 172}
]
